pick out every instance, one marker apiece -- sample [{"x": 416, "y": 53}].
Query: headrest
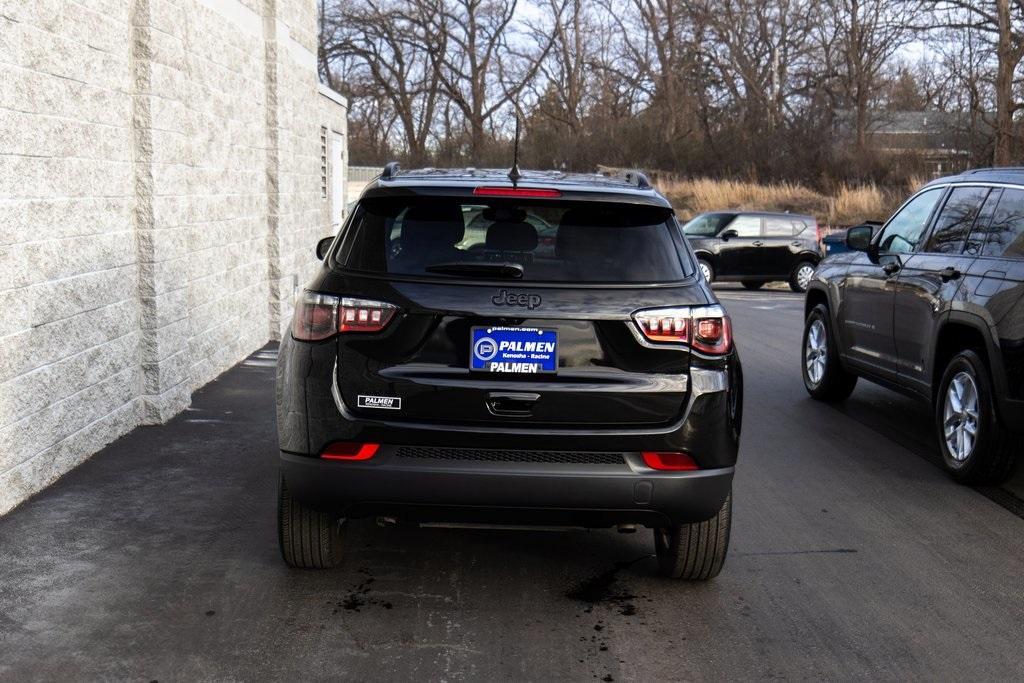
[
  {"x": 590, "y": 232},
  {"x": 591, "y": 216},
  {"x": 433, "y": 225},
  {"x": 504, "y": 214},
  {"x": 511, "y": 237}
]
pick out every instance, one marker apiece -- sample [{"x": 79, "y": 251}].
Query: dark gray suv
[{"x": 933, "y": 306}]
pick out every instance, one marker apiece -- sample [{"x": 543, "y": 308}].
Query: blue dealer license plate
[{"x": 513, "y": 350}]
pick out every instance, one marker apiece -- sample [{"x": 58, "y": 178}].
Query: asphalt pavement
[{"x": 853, "y": 556}]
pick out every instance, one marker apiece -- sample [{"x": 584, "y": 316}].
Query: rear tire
[
  {"x": 695, "y": 552},
  {"x": 753, "y": 284},
  {"x": 707, "y": 270},
  {"x": 309, "y": 539},
  {"x": 801, "y": 277},
  {"x": 989, "y": 456},
  {"x": 825, "y": 378}
]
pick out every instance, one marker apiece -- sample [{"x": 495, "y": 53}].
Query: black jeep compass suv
[
  {"x": 933, "y": 306},
  {"x": 538, "y": 352}
]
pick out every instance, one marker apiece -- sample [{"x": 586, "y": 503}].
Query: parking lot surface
[{"x": 853, "y": 555}]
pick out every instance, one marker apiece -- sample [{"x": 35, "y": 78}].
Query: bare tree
[
  {"x": 383, "y": 50},
  {"x": 746, "y": 87},
  {"x": 371, "y": 117},
  {"x": 479, "y": 69},
  {"x": 861, "y": 36},
  {"x": 936, "y": 88},
  {"x": 754, "y": 45},
  {"x": 1003, "y": 22},
  {"x": 654, "y": 59},
  {"x": 566, "y": 74},
  {"x": 966, "y": 57}
]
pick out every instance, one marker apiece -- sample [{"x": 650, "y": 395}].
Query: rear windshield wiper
[{"x": 510, "y": 271}]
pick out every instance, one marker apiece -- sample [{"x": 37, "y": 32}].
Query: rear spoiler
[{"x": 569, "y": 192}]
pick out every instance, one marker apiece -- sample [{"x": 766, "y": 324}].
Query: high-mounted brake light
[
  {"x": 319, "y": 316},
  {"x": 704, "y": 328},
  {"x": 535, "y": 192},
  {"x": 350, "y": 451},
  {"x": 669, "y": 461}
]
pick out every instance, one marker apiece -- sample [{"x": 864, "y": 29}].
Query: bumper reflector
[
  {"x": 350, "y": 451},
  {"x": 676, "y": 462}
]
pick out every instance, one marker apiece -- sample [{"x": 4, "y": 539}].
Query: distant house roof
[
  {"x": 936, "y": 134},
  {"x": 913, "y": 122}
]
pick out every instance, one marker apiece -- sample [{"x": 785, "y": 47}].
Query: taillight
[
  {"x": 704, "y": 328},
  {"x": 360, "y": 315},
  {"x": 665, "y": 325},
  {"x": 316, "y": 316},
  {"x": 350, "y": 451},
  {"x": 669, "y": 461},
  {"x": 713, "y": 335},
  {"x": 319, "y": 316}
]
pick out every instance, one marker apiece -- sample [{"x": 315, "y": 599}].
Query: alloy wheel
[
  {"x": 706, "y": 272},
  {"x": 804, "y": 275},
  {"x": 960, "y": 416},
  {"x": 816, "y": 352}
]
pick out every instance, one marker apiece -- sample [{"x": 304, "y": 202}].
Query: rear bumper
[
  {"x": 708, "y": 429},
  {"x": 583, "y": 492},
  {"x": 593, "y": 495}
]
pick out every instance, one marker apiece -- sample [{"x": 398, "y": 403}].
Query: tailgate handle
[{"x": 511, "y": 404}]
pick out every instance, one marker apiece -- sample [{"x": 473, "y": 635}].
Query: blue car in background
[{"x": 835, "y": 242}]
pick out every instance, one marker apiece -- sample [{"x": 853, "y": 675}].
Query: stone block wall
[{"x": 160, "y": 197}]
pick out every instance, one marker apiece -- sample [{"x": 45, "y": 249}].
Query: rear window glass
[
  {"x": 956, "y": 220},
  {"x": 550, "y": 241},
  {"x": 707, "y": 224},
  {"x": 781, "y": 227},
  {"x": 746, "y": 226},
  {"x": 1006, "y": 231}
]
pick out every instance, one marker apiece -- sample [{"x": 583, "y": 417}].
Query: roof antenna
[{"x": 514, "y": 174}]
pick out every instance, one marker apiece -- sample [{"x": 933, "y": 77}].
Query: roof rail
[
  {"x": 989, "y": 169},
  {"x": 637, "y": 178},
  {"x": 390, "y": 170}
]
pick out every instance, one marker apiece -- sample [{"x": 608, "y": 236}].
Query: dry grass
[
  {"x": 854, "y": 204},
  {"x": 847, "y": 205},
  {"x": 705, "y": 195}
]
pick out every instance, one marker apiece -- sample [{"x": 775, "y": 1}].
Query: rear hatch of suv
[{"x": 515, "y": 309}]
